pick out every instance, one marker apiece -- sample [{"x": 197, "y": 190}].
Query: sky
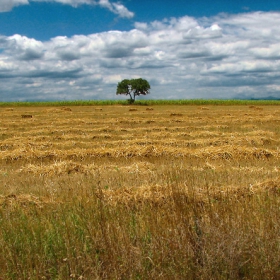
[{"x": 185, "y": 49}]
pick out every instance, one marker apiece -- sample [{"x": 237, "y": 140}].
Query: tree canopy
[{"x": 133, "y": 88}]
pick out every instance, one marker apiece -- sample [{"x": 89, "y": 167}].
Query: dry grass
[
  {"x": 26, "y": 116},
  {"x": 169, "y": 192}
]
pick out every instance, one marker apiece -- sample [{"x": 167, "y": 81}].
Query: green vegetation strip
[{"x": 196, "y": 102}]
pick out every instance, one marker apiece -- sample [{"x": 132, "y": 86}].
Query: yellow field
[
  {"x": 228, "y": 146},
  {"x": 132, "y": 156}
]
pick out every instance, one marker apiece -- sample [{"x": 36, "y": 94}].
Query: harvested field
[{"x": 117, "y": 192}]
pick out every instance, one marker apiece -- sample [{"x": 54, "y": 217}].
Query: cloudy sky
[{"x": 81, "y": 49}]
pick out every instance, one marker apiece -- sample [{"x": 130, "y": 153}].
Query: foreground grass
[
  {"x": 177, "y": 192},
  {"x": 179, "y": 236}
]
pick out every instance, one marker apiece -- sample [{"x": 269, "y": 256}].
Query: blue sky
[{"x": 80, "y": 49}]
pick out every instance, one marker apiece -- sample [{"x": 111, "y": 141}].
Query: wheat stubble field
[{"x": 137, "y": 192}]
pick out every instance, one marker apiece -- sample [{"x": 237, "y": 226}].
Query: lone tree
[{"x": 133, "y": 88}]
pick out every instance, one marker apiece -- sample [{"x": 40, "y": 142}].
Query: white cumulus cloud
[
  {"x": 216, "y": 57},
  {"x": 7, "y": 5},
  {"x": 116, "y": 8}
]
